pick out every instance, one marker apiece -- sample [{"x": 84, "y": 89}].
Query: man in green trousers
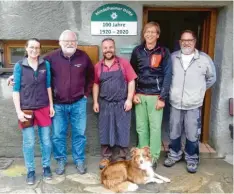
[{"x": 152, "y": 63}]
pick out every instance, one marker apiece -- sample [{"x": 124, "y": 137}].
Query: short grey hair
[{"x": 65, "y": 32}]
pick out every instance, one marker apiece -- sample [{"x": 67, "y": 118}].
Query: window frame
[{"x": 8, "y": 44}]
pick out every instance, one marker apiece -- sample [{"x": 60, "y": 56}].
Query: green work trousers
[{"x": 148, "y": 124}]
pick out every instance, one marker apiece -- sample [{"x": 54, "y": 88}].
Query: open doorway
[{"x": 172, "y": 22}]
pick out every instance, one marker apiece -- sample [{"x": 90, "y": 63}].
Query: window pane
[
  {"x": 17, "y": 54},
  {"x": 45, "y": 50}
]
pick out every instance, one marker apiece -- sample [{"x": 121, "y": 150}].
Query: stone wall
[{"x": 223, "y": 89}]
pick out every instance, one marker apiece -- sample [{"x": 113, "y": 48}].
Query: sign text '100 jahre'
[
  {"x": 113, "y": 24},
  {"x": 109, "y": 28}
]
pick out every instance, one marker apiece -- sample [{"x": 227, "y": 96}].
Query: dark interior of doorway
[{"x": 172, "y": 23}]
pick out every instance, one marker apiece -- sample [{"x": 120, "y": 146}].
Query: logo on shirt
[
  {"x": 77, "y": 65},
  {"x": 42, "y": 71}
]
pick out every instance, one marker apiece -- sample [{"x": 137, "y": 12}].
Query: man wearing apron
[{"x": 113, "y": 91}]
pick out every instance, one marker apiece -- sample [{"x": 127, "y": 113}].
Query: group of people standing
[{"x": 55, "y": 88}]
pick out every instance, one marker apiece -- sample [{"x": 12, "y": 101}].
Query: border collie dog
[{"x": 123, "y": 176}]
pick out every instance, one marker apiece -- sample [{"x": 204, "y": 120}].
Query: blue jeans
[
  {"x": 28, "y": 146},
  {"x": 76, "y": 114}
]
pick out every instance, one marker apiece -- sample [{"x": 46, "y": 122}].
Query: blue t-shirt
[{"x": 17, "y": 76}]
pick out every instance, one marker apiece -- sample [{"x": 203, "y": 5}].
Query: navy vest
[{"x": 33, "y": 90}]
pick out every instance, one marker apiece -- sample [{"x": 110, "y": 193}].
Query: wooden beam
[
  {"x": 210, "y": 52},
  {"x": 177, "y": 9},
  {"x": 145, "y": 21},
  {"x": 145, "y": 16}
]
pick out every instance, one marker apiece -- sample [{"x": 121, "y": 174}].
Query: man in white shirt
[
  {"x": 186, "y": 59},
  {"x": 193, "y": 73}
]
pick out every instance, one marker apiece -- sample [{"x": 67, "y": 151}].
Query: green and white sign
[{"x": 114, "y": 19}]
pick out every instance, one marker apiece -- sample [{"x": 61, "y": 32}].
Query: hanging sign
[{"x": 114, "y": 19}]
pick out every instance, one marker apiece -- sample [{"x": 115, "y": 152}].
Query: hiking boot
[
  {"x": 31, "y": 178},
  {"x": 103, "y": 163},
  {"x": 169, "y": 162},
  {"x": 60, "y": 168},
  {"x": 192, "y": 167},
  {"x": 47, "y": 173},
  {"x": 81, "y": 168}
]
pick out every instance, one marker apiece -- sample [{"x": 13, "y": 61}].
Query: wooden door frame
[{"x": 208, "y": 45}]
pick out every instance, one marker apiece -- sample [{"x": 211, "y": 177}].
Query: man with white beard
[
  {"x": 193, "y": 73},
  {"x": 72, "y": 76}
]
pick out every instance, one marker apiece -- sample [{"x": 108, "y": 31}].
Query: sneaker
[
  {"x": 103, "y": 163},
  {"x": 81, "y": 168},
  {"x": 169, "y": 162},
  {"x": 61, "y": 167},
  {"x": 31, "y": 178},
  {"x": 47, "y": 173},
  {"x": 192, "y": 167}
]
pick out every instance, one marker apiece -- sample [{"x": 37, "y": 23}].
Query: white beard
[
  {"x": 69, "y": 51},
  {"x": 187, "y": 50}
]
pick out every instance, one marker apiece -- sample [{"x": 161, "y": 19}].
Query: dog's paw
[
  {"x": 154, "y": 180},
  {"x": 132, "y": 187},
  {"x": 157, "y": 181},
  {"x": 167, "y": 180}
]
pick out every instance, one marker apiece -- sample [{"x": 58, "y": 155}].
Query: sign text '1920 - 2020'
[{"x": 117, "y": 32}]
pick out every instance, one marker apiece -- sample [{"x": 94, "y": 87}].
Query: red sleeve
[
  {"x": 129, "y": 72},
  {"x": 97, "y": 73}
]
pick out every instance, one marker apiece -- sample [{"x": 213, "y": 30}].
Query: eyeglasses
[
  {"x": 151, "y": 32},
  {"x": 190, "y": 41},
  {"x": 34, "y": 48}
]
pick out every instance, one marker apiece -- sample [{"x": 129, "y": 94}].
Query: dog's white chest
[{"x": 150, "y": 172}]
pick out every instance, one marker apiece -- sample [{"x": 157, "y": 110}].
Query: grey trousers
[{"x": 188, "y": 121}]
